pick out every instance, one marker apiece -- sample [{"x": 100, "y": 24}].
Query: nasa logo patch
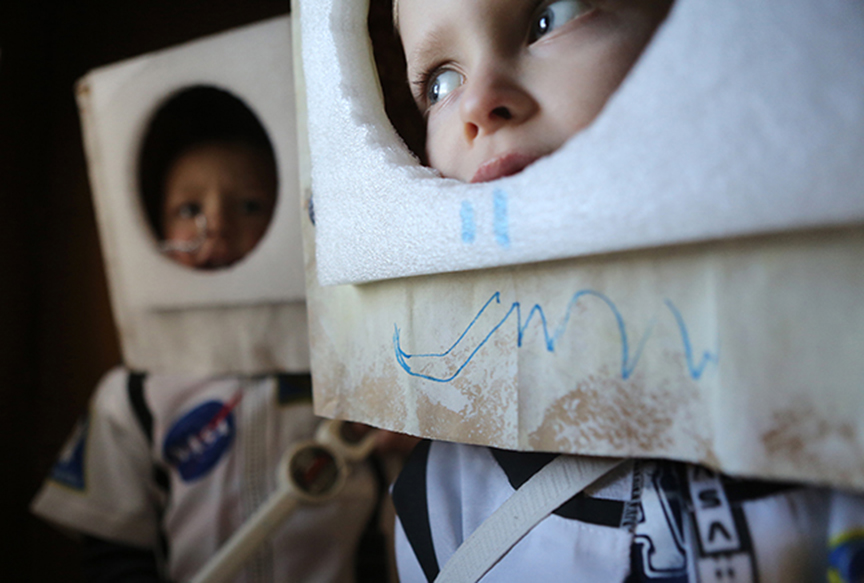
[
  {"x": 68, "y": 470},
  {"x": 200, "y": 438}
]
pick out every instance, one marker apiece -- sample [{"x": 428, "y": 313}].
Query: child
[
  {"x": 165, "y": 467},
  {"x": 502, "y": 83},
  {"x": 229, "y": 186},
  {"x": 208, "y": 179}
]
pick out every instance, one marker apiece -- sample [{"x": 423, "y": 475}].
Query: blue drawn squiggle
[
  {"x": 500, "y": 220},
  {"x": 468, "y": 228},
  {"x": 695, "y": 370},
  {"x": 628, "y": 362}
]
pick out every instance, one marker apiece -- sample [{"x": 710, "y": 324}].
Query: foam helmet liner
[
  {"x": 683, "y": 279},
  {"x": 251, "y": 316}
]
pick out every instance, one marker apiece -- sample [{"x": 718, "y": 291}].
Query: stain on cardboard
[
  {"x": 798, "y": 435},
  {"x": 604, "y": 413}
]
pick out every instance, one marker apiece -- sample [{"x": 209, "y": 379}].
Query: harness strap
[
  {"x": 135, "y": 389},
  {"x": 548, "y": 489},
  {"x": 135, "y": 392}
]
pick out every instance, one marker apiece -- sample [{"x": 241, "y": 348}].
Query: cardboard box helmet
[
  {"x": 140, "y": 117},
  {"x": 680, "y": 280}
]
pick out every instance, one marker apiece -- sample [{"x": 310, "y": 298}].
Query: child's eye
[
  {"x": 252, "y": 207},
  {"x": 189, "y": 210},
  {"x": 440, "y": 84},
  {"x": 554, "y": 15}
]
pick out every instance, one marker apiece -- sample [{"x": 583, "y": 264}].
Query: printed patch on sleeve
[
  {"x": 199, "y": 439},
  {"x": 68, "y": 470},
  {"x": 846, "y": 558}
]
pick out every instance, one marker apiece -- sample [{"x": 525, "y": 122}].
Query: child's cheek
[
  {"x": 181, "y": 231},
  {"x": 251, "y": 235},
  {"x": 445, "y": 143}
]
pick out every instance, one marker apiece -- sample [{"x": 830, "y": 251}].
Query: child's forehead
[
  {"x": 429, "y": 13},
  {"x": 226, "y": 158},
  {"x": 424, "y": 25},
  {"x": 427, "y": 25}
]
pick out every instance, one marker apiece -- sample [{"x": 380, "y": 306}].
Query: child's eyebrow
[{"x": 429, "y": 50}]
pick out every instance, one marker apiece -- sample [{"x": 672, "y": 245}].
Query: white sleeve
[{"x": 101, "y": 484}]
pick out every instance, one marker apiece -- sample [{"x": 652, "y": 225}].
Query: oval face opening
[
  {"x": 495, "y": 98},
  {"x": 207, "y": 178}
]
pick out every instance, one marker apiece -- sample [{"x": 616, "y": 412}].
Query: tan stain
[
  {"x": 606, "y": 412},
  {"x": 707, "y": 457},
  {"x": 480, "y": 421},
  {"x": 374, "y": 396},
  {"x": 488, "y": 391},
  {"x": 481, "y": 426},
  {"x": 379, "y": 397},
  {"x": 799, "y": 435}
]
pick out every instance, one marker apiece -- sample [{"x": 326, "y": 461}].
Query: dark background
[{"x": 57, "y": 335}]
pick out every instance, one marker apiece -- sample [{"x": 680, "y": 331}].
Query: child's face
[
  {"x": 233, "y": 187},
  {"x": 504, "y": 82}
]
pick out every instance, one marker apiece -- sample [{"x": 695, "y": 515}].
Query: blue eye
[
  {"x": 441, "y": 83},
  {"x": 554, "y": 15}
]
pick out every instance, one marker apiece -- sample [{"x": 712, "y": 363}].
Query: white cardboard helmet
[
  {"x": 683, "y": 279},
  {"x": 251, "y": 316}
]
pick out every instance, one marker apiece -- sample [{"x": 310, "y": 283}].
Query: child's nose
[
  {"x": 217, "y": 221},
  {"x": 493, "y": 100}
]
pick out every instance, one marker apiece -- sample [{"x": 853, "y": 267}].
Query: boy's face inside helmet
[
  {"x": 505, "y": 82},
  {"x": 220, "y": 196}
]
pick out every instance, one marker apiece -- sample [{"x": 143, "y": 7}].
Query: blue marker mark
[
  {"x": 695, "y": 370},
  {"x": 501, "y": 223},
  {"x": 628, "y": 361},
  {"x": 468, "y": 228}
]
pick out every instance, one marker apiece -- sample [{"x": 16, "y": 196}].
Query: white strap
[{"x": 552, "y": 486}]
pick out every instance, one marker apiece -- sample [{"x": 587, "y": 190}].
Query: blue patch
[
  {"x": 68, "y": 470},
  {"x": 847, "y": 560},
  {"x": 197, "y": 442}
]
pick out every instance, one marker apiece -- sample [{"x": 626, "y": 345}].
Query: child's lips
[
  {"x": 503, "y": 165},
  {"x": 214, "y": 254}
]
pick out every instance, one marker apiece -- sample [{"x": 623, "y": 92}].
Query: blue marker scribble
[
  {"x": 500, "y": 221},
  {"x": 468, "y": 228},
  {"x": 695, "y": 370},
  {"x": 628, "y": 361}
]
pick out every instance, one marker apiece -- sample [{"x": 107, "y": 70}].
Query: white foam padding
[
  {"x": 740, "y": 118},
  {"x": 117, "y": 101}
]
